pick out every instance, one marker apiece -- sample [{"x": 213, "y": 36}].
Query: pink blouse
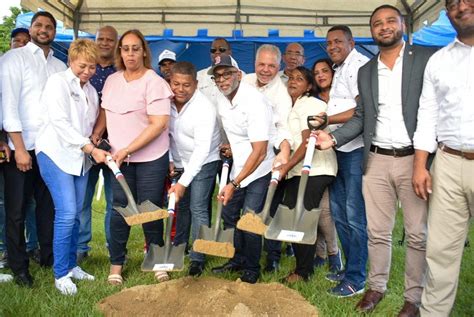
[{"x": 127, "y": 106}]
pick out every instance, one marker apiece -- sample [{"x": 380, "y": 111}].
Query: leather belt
[
  {"x": 401, "y": 152},
  {"x": 447, "y": 149}
]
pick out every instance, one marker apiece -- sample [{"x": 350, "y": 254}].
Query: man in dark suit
[{"x": 386, "y": 113}]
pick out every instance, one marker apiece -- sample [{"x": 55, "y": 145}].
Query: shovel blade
[
  {"x": 148, "y": 206},
  {"x": 285, "y": 226},
  {"x": 251, "y": 222},
  {"x": 223, "y": 246},
  {"x": 156, "y": 258}
]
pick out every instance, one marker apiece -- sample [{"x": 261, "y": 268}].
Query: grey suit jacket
[{"x": 365, "y": 116}]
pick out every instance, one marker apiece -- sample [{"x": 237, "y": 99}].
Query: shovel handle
[
  {"x": 113, "y": 166},
  {"x": 171, "y": 203},
  {"x": 271, "y": 191},
  {"x": 308, "y": 158},
  {"x": 224, "y": 175}
]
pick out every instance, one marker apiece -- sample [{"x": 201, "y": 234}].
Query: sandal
[
  {"x": 161, "y": 276},
  {"x": 115, "y": 279}
]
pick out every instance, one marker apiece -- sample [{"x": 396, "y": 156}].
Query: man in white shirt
[
  {"x": 445, "y": 125},
  {"x": 293, "y": 57},
  {"x": 194, "y": 146},
  {"x": 23, "y": 73},
  {"x": 386, "y": 113},
  {"x": 267, "y": 81},
  {"x": 346, "y": 201},
  {"x": 247, "y": 120}
]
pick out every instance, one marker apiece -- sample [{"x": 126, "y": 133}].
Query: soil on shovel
[{"x": 207, "y": 296}]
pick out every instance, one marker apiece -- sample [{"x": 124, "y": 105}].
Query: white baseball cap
[{"x": 166, "y": 54}]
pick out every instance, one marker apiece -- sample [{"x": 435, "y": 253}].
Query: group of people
[{"x": 387, "y": 117}]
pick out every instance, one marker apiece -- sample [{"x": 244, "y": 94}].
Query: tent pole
[
  {"x": 409, "y": 20},
  {"x": 77, "y": 18}
]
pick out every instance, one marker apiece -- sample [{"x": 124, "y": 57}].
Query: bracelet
[{"x": 234, "y": 183}]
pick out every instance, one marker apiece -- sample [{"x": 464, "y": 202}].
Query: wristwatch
[
  {"x": 235, "y": 184},
  {"x": 334, "y": 141}
]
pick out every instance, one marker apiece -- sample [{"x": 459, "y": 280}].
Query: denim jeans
[
  {"x": 85, "y": 230},
  {"x": 194, "y": 207},
  {"x": 30, "y": 221},
  {"x": 68, "y": 193},
  {"x": 146, "y": 181},
  {"x": 248, "y": 246},
  {"x": 348, "y": 211}
]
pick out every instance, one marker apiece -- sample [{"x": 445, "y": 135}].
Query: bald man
[{"x": 293, "y": 57}]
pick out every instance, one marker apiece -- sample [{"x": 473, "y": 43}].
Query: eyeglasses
[
  {"x": 133, "y": 49},
  {"x": 454, "y": 4},
  {"x": 293, "y": 54},
  {"x": 220, "y": 49},
  {"x": 225, "y": 75}
]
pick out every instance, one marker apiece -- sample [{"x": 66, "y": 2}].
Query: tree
[{"x": 7, "y": 26}]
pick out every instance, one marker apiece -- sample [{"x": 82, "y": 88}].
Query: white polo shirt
[
  {"x": 23, "y": 73},
  {"x": 343, "y": 92},
  {"x": 277, "y": 93},
  {"x": 194, "y": 136},
  {"x": 248, "y": 118}
]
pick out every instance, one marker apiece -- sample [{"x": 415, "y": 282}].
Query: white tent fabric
[{"x": 252, "y": 17}]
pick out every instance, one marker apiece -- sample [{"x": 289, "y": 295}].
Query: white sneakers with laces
[{"x": 65, "y": 284}]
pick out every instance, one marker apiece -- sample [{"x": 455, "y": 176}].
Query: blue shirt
[{"x": 98, "y": 80}]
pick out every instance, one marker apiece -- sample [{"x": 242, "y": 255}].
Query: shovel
[
  {"x": 214, "y": 240},
  {"x": 135, "y": 214},
  {"x": 168, "y": 257},
  {"x": 299, "y": 225},
  {"x": 258, "y": 223}
]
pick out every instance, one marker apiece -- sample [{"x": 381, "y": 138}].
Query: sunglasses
[
  {"x": 220, "y": 49},
  {"x": 225, "y": 75}
]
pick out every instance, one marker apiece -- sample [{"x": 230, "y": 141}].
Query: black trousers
[
  {"x": 315, "y": 188},
  {"x": 18, "y": 187}
]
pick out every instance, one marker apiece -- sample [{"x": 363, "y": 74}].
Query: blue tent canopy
[{"x": 196, "y": 48}]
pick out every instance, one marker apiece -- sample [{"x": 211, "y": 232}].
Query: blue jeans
[
  {"x": 68, "y": 193},
  {"x": 248, "y": 246},
  {"x": 146, "y": 181},
  {"x": 348, "y": 211},
  {"x": 194, "y": 207},
  {"x": 85, "y": 230},
  {"x": 30, "y": 220}
]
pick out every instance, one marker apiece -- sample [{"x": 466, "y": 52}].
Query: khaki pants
[
  {"x": 387, "y": 180},
  {"x": 326, "y": 244},
  {"x": 451, "y": 206}
]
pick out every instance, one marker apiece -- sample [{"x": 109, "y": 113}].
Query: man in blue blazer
[{"x": 389, "y": 88}]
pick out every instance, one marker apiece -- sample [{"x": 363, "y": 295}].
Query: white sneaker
[
  {"x": 78, "y": 274},
  {"x": 5, "y": 278},
  {"x": 65, "y": 285}
]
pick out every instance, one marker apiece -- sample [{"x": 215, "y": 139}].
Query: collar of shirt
[
  {"x": 352, "y": 54},
  {"x": 174, "y": 109},
  {"x": 381, "y": 64},
  {"x": 35, "y": 49}
]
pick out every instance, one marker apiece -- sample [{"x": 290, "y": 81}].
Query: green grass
[{"x": 45, "y": 300}]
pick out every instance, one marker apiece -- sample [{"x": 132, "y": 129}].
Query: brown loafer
[
  {"x": 293, "y": 278},
  {"x": 369, "y": 301},
  {"x": 409, "y": 310}
]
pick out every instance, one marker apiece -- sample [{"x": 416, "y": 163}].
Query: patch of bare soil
[{"x": 207, "y": 296}]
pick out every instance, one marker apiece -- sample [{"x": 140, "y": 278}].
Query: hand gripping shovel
[
  {"x": 168, "y": 257},
  {"x": 299, "y": 225},
  {"x": 214, "y": 240},
  {"x": 133, "y": 214},
  {"x": 258, "y": 223}
]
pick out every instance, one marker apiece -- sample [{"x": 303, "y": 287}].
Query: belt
[
  {"x": 466, "y": 155},
  {"x": 401, "y": 152}
]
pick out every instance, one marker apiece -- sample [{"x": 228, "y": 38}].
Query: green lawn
[{"x": 45, "y": 300}]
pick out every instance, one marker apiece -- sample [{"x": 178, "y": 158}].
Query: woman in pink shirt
[{"x": 137, "y": 107}]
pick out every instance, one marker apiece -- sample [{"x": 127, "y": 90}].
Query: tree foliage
[{"x": 7, "y": 26}]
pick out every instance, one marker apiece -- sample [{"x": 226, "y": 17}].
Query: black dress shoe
[
  {"x": 272, "y": 266},
  {"x": 227, "y": 267},
  {"x": 24, "y": 279},
  {"x": 249, "y": 277},
  {"x": 196, "y": 268}
]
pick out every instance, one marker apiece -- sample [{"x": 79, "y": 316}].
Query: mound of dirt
[{"x": 207, "y": 296}]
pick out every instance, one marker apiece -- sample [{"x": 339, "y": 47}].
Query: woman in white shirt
[
  {"x": 302, "y": 89},
  {"x": 70, "y": 109}
]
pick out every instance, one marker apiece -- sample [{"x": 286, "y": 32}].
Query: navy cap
[{"x": 19, "y": 30}]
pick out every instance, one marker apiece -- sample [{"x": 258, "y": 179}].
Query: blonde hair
[
  {"x": 83, "y": 48},
  {"x": 119, "y": 64}
]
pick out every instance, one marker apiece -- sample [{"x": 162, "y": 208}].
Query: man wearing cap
[
  {"x": 23, "y": 73},
  {"x": 194, "y": 146},
  {"x": 248, "y": 123},
  {"x": 19, "y": 37},
  {"x": 106, "y": 40},
  {"x": 293, "y": 57},
  {"x": 166, "y": 60},
  {"x": 266, "y": 80}
]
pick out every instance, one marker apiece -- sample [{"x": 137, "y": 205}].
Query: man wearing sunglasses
[
  {"x": 247, "y": 119},
  {"x": 445, "y": 121}
]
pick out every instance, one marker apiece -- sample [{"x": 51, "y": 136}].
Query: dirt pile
[{"x": 207, "y": 296}]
